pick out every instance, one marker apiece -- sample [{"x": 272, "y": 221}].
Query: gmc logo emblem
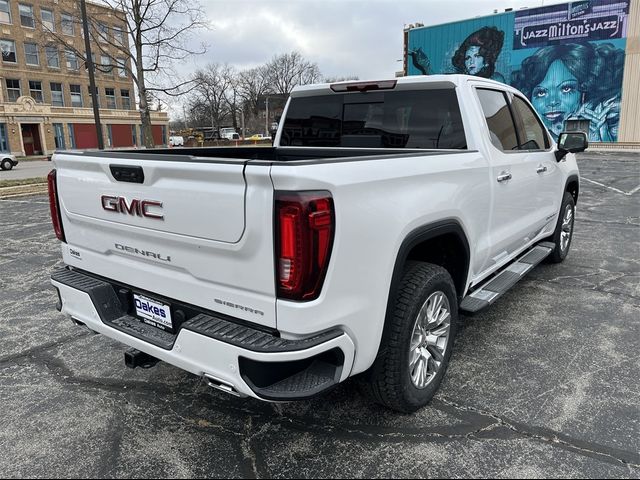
[{"x": 136, "y": 207}]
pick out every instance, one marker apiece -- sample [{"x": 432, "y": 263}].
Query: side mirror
[{"x": 571, "y": 142}]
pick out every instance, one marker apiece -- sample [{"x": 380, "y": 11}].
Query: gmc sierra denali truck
[{"x": 348, "y": 248}]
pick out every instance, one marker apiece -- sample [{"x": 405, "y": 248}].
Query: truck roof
[{"x": 427, "y": 81}]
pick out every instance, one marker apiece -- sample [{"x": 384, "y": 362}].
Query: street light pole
[
  {"x": 92, "y": 77},
  {"x": 266, "y": 118}
]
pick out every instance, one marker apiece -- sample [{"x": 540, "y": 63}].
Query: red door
[
  {"x": 121, "y": 135},
  {"x": 157, "y": 131},
  {"x": 31, "y": 139},
  {"x": 85, "y": 135}
]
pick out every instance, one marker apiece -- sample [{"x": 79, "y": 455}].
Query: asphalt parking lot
[{"x": 543, "y": 384}]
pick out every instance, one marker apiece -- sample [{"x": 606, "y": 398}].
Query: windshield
[{"x": 428, "y": 119}]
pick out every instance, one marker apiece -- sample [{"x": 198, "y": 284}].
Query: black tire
[
  {"x": 389, "y": 380},
  {"x": 559, "y": 254},
  {"x": 6, "y": 164}
]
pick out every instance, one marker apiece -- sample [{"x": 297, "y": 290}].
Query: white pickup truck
[{"x": 348, "y": 248}]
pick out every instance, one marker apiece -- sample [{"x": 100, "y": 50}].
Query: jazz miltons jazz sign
[{"x": 595, "y": 28}]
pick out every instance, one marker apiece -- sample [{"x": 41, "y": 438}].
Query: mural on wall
[
  {"x": 479, "y": 52},
  {"x": 568, "y": 59}
]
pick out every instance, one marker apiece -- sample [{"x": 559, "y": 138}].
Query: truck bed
[{"x": 267, "y": 154}]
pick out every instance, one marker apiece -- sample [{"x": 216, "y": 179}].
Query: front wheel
[
  {"x": 417, "y": 339},
  {"x": 6, "y": 164},
  {"x": 564, "y": 230}
]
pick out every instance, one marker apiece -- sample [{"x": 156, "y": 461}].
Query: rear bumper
[{"x": 236, "y": 358}]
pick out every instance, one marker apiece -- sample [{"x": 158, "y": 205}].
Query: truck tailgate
[{"x": 196, "y": 231}]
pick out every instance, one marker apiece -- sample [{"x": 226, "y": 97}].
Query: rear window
[{"x": 427, "y": 119}]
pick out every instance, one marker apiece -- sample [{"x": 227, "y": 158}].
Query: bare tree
[
  {"x": 161, "y": 34},
  {"x": 289, "y": 70},
  {"x": 253, "y": 84},
  {"x": 213, "y": 95}
]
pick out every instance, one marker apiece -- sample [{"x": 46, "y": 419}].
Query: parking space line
[
  {"x": 628, "y": 194},
  {"x": 22, "y": 201}
]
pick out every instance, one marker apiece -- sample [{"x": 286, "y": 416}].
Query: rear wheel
[
  {"x": 417, "y": 340},
  {"x": 6, "y": 164},
  {"x": 564, "y": 230}
]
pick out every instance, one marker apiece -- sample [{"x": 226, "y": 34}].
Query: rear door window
[
  {"x": 421, "y": 119},
  {"x": 499, "y": 120},
  {"x": 532, "y": 134}
]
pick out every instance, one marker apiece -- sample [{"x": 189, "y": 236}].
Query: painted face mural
[
  {"x": 580, "y": 82},
  {"x": 557, "y": 97},
  {"x": 473, "y": 61},
  {"x": 478, "y": 53}
]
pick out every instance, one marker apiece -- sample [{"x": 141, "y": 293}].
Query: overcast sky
[{"x": 344, "y": 37}]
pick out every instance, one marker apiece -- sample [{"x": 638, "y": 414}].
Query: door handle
[
  {"x": 504, "y": 176},
  {"x": 541, "y": 168}
]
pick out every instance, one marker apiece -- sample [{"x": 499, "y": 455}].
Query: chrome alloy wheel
[
  {"x": 429, "y": 339},
  {"x": 567, "y": 228}
]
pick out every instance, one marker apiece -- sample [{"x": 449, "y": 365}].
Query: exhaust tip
[
  {"x": 225, "y": 387},
  {"x": 78, "y": 323}
]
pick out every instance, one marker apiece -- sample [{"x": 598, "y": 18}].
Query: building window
[
  {"x": 105, "y": 64},
  {"x": 66, "y": 22},
  {"x": 4, "y": 140},
  {"x": 31, "y": 55},
  {"x": 53, "y": 59},
  {"x": 109, "y": 136},
  {"x": 118, "y": 36},
  {"x": 76, "y": 95},
  {"x": 110, "y": 93},
  {"x": 103, "y": 33},
  {"x": 122, "y": 67},
  {"x": 58, "y": 131},
  {"x": 26, "y": 16},
  {"x": 35, "y": 90},
  {"x": 48, "y": 21},
  {"x": 126, "y": 99},
  {"x": 57, "y": 97},
  {"x": 91, "y": 97},
  {"x": 72, "y": 136},
  {"x": 5, "y": 11},
  {"x": 13, "y": 90},
  {"x": 8, "y": 51},
  {"x": 72, "y": 59}
]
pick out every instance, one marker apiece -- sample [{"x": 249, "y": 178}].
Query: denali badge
[
  {"x": 144, "y": 253},
  {"x": 136, "y": 207}
]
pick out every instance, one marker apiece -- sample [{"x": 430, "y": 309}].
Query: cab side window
[
  {"x": 499, "y": 119},
  {"x": 531, "y": 132}
]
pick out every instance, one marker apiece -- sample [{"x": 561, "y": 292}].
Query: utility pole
[
  {"x": 266, "y": 118},
  {"x": 92, "y": 77}
]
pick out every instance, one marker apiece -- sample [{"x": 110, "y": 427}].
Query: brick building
[{"x": 45, "y": 101}]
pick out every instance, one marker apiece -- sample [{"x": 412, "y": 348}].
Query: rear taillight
[
  {"x": 54, "y": 206},
  {"x": 305, "y": 224}
]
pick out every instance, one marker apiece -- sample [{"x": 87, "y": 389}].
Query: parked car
[
  {"x": 176, "y": 141},
  {"x": 258, "y": 137},
  {"x": 347, "y": 248},
  {"x": 7, "y": 162}
]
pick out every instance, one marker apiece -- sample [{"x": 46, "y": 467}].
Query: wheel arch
[
  {"x": 572, "y": 186},
  {"x": 416, "y": 245}
]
